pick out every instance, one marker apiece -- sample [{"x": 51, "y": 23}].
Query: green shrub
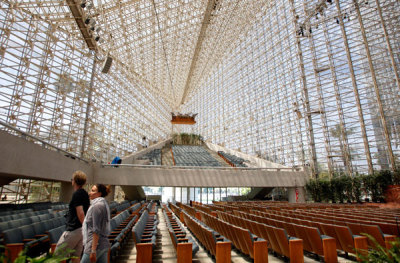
[
  {"x": 334, "y": 186},
  {"x": 338, "y": 189},
  {"x": 60, "y": 255},
  {"x": 357, "y": 190},
  {"x": 369, "y": 182},
  {"x": 342, "y": 187},
  {"x": 325, "y": 190},
  {"x": 347, "y": 183},
  {"x": 313, "y": 189},
  {"x": 381, "y": 254},
  {"x": 187, "y": 139},
  {"x": 383, "y": 180},
  {"x": 396, "y": 177}
]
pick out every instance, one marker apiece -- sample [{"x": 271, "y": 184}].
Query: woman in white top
[{"x": 96, "y": 226}]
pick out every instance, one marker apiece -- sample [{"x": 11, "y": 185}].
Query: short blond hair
[{"x": 79, "y": 177}]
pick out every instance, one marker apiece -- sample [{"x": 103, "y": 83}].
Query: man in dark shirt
[{"x": 78, "y": 207}]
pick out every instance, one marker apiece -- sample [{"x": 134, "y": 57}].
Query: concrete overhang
[
  {"x": 174, "y": 176},
  {"x": 20, "y": 158}
]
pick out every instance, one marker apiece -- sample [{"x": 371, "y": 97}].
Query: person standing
[
  {"x": 96, "y": 226},
  {"x": 72, "y": 236}
]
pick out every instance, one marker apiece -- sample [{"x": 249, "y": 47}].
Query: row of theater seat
[
  {"x": 144, "y": 235},
  {"x": 320, "y": 235},
  {"x": 213, "y": 242},
  {"x": 245, "y": 241},
  {"x": 32, "y": 236},
  {"x": 154, "y": 156},
  {"x": 232, "y": 159},
  {"x": 185, "y": 155},
  {"x": 352, "y": 229},
  {"x": 22, "y": 214},
  {"x": 121, "y": 227},
  {"x": 214, "y": 230},
  {"x": 184, "y": 244},
  {"x": 251, "y": 237},
  {"x": 39, "y": 233},
  {"x": 27, "y": 218},
  {"x": 7, "y": 209},
  {"x": 118, "y": 207}
]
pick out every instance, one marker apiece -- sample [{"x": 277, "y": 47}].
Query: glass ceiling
[{"x": 170, "y": 44}]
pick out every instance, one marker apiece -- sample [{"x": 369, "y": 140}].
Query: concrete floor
[{"x": 165, "y": 252}]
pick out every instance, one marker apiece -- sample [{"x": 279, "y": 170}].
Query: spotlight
[
  {"x": 92, "y": 28},
  {"x": 97, "y": 38},
  {"x": 83, "y": 4},
  {"x": 90, "y": 21}
]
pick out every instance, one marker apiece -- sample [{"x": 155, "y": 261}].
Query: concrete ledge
[
  {"x": 198, "y": 177},
  {"x": 20, "y": 158}
]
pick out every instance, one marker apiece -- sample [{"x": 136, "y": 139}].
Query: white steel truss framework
[
  {"x": 313, "y": 82},
  {"x": 295, "y": 82}
]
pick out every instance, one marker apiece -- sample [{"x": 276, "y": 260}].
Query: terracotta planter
[{"x": 392, "y": 194}]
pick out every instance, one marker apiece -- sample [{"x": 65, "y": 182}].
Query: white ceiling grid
[{"x": 159, "y": 40}]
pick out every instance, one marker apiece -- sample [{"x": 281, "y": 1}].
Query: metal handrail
[
  {"x": 44, "y": 143},
  {"x": 202, "y": 167}
]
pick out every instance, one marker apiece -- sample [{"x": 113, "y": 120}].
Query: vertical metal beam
[
  {"x": 213, "y": 193},
  {"x": 343, "y": 135},
  {"x": 321, "y": 105},
  {"x": 199, "y": 43},
  {"x": 307, "y": 117},
  {"x": 88, "y": 106},
  {"x": 389, "y": 47},
  {"x": 376, "y": 88},
  {"x": 355, "y": 90}
]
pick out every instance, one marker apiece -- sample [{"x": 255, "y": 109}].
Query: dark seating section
[
  {"x": 144, "y": 236},
  {"x": 27, "y": 215},
  {"x": 146, "y": 228},
  {"x": 154, "y": 157},
  {"x": 31, "y": 233},
  {"x": 184, "y": 245},
  {"x": 38, "y": 231},
  {"x": 185, "y": 155},
  {"x": 18, "y": 208},
  {"x": 116, "y": 208},
  {"x": 121, "y": 226},
  {"x": 152, "y": 208},
  {"x": 232, "y": 159}
]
